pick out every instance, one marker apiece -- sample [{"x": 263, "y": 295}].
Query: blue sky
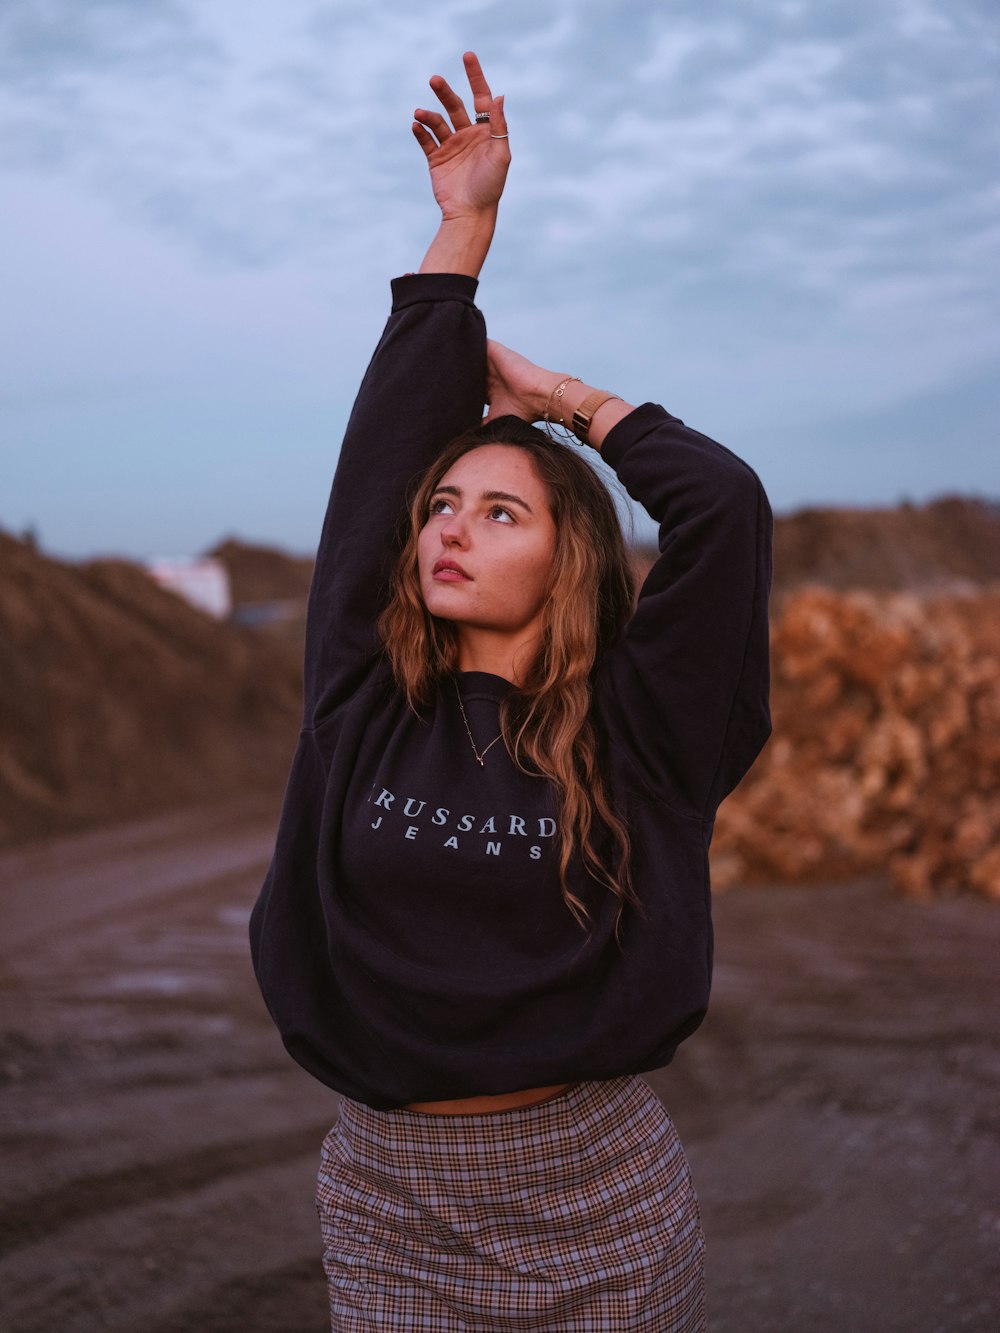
[{"x": 781, "y": 220}]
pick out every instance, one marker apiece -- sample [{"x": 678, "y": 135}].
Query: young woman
[{"x": 488, "y": 911}]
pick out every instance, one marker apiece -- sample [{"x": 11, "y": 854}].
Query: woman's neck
[{"x": 496, "y": 654}]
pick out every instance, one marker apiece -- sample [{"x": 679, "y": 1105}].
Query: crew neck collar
[{"x": 471, "y": 683}]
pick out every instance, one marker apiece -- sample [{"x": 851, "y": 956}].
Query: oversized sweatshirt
[{"x": 411, "y": 938}]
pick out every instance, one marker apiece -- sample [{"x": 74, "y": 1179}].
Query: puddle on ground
[
  {"x": 159, "y": 983},
  {"x": 235, "y": 915}
]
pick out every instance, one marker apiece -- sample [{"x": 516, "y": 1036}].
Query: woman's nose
[{"x": 455, "y": 531}]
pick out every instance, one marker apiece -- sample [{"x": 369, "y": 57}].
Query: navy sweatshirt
[{"x": 411, "y": 939}]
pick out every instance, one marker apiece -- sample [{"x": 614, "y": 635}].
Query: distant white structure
[{"x": 202, "y": 581}]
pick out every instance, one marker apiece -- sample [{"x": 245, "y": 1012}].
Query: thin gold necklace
[{"x": 468, "y": 732}]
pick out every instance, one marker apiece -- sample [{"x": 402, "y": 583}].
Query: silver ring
[
  {"x": 482, "y": 117},
  {"x": 499, "y": 136}
]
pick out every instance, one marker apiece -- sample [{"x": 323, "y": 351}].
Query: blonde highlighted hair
[{"x": 545, "y": 721}]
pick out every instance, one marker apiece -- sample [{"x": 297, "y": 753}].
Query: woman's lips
[{"x": 450, "y": 572}]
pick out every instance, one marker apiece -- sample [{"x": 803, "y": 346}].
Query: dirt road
[{"x": 840, "y": 1106}]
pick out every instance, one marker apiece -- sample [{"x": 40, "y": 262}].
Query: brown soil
[
  {"x": 270, "y": 590},
  {"x": 839, "y": 1106},
  {"x": 262, "y": 574},
  {"x": 951, "y": 542},
  {"x": 119, "y": 698}
]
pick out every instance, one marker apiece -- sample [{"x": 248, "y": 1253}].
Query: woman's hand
[
  {"x": 515, "y": 386},
  {"x": 468, "y": 163}
]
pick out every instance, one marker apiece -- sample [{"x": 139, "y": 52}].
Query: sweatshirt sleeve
[
  {"x": 425, "y": 384},
  {"x": 686, "y": 688}
]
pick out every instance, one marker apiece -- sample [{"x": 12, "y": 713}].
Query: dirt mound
[
  {"x": 949, "y": 543},
  {"x": 260, "y": 574},
  {"x": 886, "y": 746},
  {"x": 269, "y": 588},
  {"x": 121, "y": 699}
]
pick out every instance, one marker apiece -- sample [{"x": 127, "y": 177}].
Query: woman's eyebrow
[
  {"x": 486, "y": 495},
  {"x": 511, "y": 499}
]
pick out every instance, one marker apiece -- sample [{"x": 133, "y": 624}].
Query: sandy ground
[{"x": 840, "y": 1106}]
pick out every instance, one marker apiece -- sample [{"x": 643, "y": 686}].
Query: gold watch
[{"x": 584, "y": 414}]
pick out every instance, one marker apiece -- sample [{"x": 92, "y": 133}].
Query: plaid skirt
[{"x": 575, "y": 1215}]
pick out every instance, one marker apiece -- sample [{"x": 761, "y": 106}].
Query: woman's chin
[{"x": 445, "y": 602}]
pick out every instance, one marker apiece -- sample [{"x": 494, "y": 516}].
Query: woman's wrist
[
  {"x": 461, "y": 244},
  {"x": 561, "y": 406}
]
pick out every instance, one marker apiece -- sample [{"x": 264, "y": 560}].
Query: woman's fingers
[
  {"x": 468, "y": 162},
  {"x": 433, "y": 121},
  {"x": 482, "y": 98},
  {"x": 451, "y": 102},
  {"x": 498, "y": 121},
  {"x": 481, "y": 95},
  {"x": 426, "y": 141}
]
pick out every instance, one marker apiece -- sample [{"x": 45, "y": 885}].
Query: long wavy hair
[{"x": 545, "y": 721}]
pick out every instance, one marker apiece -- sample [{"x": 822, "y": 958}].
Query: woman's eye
[
  {"x": 440, "y": 506},
  {"x": 501, "y": 515}
]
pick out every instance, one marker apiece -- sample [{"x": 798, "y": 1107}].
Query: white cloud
[{"x": 922, "y": 21}]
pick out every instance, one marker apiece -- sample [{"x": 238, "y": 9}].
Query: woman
[{"x": 488, "y": 910}]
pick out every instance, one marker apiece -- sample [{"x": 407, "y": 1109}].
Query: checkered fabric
[{"x": 576, "y": 1215}]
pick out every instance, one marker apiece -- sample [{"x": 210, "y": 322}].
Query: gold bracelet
[
  {"x": 584, "y": 414},
  {"x": 566, "y": 437},
  {"x": 558, "y": 395}
]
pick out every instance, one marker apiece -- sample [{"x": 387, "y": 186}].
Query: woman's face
[{"x": 486, "y": 549}]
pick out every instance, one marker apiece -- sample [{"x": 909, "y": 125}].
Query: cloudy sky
[{"x": 779, "y": 218}]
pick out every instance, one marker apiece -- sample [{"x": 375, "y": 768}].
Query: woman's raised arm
[
  {"x": 468, "y": 162},
  {"x": 425, "y": 384}
]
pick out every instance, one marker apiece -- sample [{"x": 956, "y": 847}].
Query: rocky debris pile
[
  {"x": 886, "y": 747},
  {"x": 120, "y": 699}
]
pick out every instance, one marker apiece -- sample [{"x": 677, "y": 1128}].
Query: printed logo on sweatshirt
[{"x": 415, "y": 820}]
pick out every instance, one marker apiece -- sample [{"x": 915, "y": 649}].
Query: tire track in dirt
[
  {"x": 284, "y": 1298},
  {"x": 73, "y": 884},
  {"x": 43, "y": 1215}
]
